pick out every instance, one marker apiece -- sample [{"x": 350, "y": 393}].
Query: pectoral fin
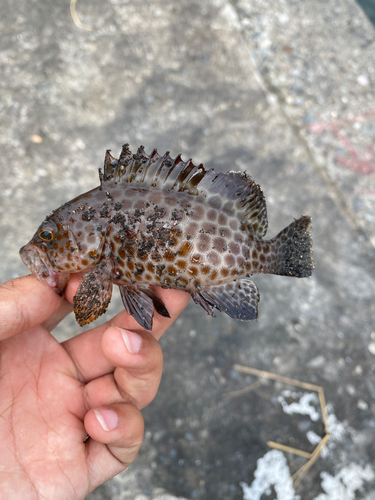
[
  {"x": 92, "y": 297},
  {"x": 238, "y": 299}
]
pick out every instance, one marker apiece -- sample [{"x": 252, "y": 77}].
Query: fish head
[
  {"x": 64, "y": 243},
  {"x": 36, "y": 256}
]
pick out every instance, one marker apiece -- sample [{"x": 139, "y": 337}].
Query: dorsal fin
[
  {"x": 233, "y": 192},
  {"x": 242, "y": 194}
]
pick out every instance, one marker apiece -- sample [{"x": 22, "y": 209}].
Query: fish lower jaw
[
  {"x": 38, "y": 264},
  {"x": 57, "y": 281}
]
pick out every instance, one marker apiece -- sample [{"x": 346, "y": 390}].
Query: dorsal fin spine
[
  {"x": 153, "y": 169},
  {"x": 177, "y": 160},
  {"x": 125, "y": 152},
  {"x": 193, "y": 172},
  {"x": 154, "y": 153},
  {"x": 165, "y": 164},
  {"x": 147, "y": 166},
  {"x": 109, "y": 161},
  {"x": 173, "y": 174},
  {"x": 236, "y": 190}
]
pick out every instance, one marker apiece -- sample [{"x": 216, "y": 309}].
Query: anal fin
[
  {"x": 92, "y": 297},
  {"x": 238, "y": 299}
]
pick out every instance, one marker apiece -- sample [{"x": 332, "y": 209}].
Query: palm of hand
[
  {"x": 51, "y": 393},
  {"x": 43, "y": 408}
]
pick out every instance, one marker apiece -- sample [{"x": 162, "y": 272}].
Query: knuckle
[
  {"x": 154, "y": 354},
  {"x": 134, "y": 423},
  {"x": 137, "y": 391}
]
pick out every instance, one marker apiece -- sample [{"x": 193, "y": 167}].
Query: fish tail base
[{"x": 293, "y": 247}]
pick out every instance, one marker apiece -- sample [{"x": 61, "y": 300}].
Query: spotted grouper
[{"x": 157, "y": 220}]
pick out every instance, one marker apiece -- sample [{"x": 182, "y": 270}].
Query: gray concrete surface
[{"x": 283, "y": 89}]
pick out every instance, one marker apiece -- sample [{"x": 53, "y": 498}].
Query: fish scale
[{"x": 157, "y": 220}]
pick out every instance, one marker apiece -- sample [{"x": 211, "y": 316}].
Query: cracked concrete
[{"x": 283, "y": 89}]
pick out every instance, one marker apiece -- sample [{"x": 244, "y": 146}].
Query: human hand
[{"x": 53, "y": 395}]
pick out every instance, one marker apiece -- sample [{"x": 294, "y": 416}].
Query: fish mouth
[{"x": 39, "y": 264}]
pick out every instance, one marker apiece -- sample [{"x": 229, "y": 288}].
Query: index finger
[
  {"x": 86, "y": 349},
  {"x": 24, "y": 303}
]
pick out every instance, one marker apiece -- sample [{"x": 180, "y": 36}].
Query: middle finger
[{"x": 139, "y": 362}]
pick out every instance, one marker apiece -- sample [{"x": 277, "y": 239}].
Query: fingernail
[
  {"x": 108, "y": 419},
  {"x": 132, "y": 340}
]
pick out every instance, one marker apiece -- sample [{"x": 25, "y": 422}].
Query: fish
[{"x": 157, "y": 220}]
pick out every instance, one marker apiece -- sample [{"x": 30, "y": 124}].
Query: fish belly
[{"x": 179, "y": 242}]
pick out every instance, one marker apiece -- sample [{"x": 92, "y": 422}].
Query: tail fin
[{"x": 293, "y": 249}]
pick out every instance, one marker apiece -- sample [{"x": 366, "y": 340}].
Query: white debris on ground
[
  {"x": 272, "y": 470},
  {"x": 336, "y": 430},
  {"x": 344, "y": 484},
  {"x": 303, "y": 407}
]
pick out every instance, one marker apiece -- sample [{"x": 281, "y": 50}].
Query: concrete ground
[{"x": 283, "y": 89}]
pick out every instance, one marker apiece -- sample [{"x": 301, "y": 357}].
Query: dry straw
[
  {"x": 312, "y": 457},
  {"x": 76, "y": 20}
]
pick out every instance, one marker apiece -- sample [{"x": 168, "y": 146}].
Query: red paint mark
[
  {"x": 360, "y": 162},
  {"x": 370, "y": 193}
]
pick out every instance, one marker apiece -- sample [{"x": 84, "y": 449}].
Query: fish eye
[
  {"x": 46, "y": 235},
  {"x": 48, "y": 231}
]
